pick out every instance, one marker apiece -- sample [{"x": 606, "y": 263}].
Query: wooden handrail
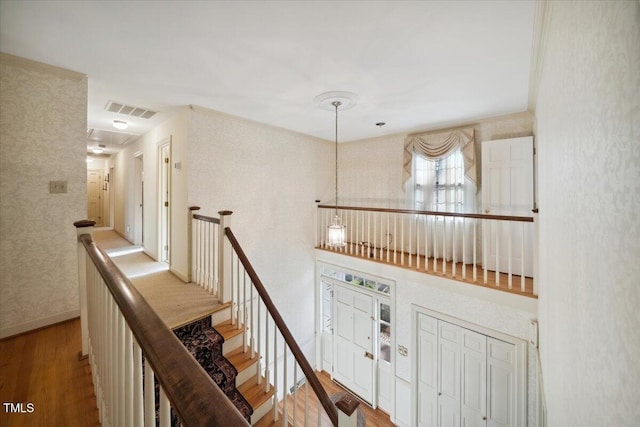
[
  {"x": 320, "y": 392},
  {"x": 206, "y": 218},
  {"x": 433, "y": 213},
  {"x": 194, "y": 396}
]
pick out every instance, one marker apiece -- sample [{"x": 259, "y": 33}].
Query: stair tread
[
  {"x": 227, "y": 330},
  {"x": 254, "y": 392},
  {"x": 267, "y": 421},
  {"x": 222, "y": 306},
  {"x": 241, "y": 360}
]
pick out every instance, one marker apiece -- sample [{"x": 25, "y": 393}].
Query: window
[{"x": 440, "y": 185}]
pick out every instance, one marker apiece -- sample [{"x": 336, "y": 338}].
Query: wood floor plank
[{"x": 42, "y": 367}]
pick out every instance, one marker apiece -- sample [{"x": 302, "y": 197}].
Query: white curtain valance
[{"x": 435, "y": 146}]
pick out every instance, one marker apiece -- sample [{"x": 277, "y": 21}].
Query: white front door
[
  {"x": 354, "y": 365},
  {"x": 94, "y": 196},
  {"x": 507, "y": 189}
]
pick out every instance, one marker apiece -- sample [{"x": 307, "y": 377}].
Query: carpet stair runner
[{"x": 205, "y": 344}]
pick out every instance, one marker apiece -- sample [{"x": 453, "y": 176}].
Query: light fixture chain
[{"x": 336, "y": 104}]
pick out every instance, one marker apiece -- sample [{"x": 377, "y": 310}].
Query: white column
[{"x": 83, "y": 227}]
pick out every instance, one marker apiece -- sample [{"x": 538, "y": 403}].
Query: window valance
[{"x": 435, "y": 146}]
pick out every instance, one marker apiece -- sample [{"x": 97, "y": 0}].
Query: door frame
[
  {"x": 138, "y": 193},
  {"x": 164, "y": 195},
  {"x": 100, "y": 207},
  {"x": 324, "y": 275},
  {"x": 521, "y": 359}
]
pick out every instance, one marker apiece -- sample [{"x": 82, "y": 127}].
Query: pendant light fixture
[{"x": 336, "y": 237}]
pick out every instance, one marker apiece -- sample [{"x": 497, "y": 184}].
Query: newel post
[
  {"x": 83, "y": 227},
  {"x": 192, "y": 211},
  {"x": 347, "y": 411},
  {"x": 224, "y": 258}
]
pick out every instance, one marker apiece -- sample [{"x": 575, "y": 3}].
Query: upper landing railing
[
  {"x": 128, "y": 346},
  {"x": 491, "y": 250}
]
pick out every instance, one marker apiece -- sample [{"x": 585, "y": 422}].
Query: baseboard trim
[
  {"x": 38, "y": 324},
  {"x": 179, "y": 275}
]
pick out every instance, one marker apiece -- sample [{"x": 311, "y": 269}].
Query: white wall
[
  {"x": 174, "y": 130},
  {"x": 588, "y": 127},
  {"x": 371, "y": 169},
  {"x": 270, "y": 178},
  {"x": 43, "y": 124},
  {"x": 499, "y": 311}
]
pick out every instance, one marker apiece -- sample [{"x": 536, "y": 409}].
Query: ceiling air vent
[{"x": 128, "y": 110}]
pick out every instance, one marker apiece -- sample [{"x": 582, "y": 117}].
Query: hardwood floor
[
  {"x": 373, "y": 417},
  {"x": 42, "y": 368}
]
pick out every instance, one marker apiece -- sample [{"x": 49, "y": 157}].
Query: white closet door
[
  {"x": 474, "y": 379},
  {"x": 427, "y": 371},
  {"x": 501, "y": 387},
  {"x": 449, "y": 379}
]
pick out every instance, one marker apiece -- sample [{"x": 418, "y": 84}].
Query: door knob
[{"x": 369, "y": 355}]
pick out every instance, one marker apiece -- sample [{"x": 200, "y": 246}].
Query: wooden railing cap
[
  {"x": 348, "y": 404},
  {"x": 225, "y": 213},
  {"x": 84, "y": 223},
  {"x": 194, "y": 208}
]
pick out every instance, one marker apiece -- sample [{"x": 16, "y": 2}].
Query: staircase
[{"x": 218, "y": 345}]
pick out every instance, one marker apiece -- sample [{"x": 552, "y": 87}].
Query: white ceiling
[{"x": 415, "y": 65}]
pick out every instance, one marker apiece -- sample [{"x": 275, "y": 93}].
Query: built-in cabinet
[{"x": 466, "y": 378}]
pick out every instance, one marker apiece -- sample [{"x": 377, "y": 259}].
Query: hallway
[{"x": 177, "y": 303}]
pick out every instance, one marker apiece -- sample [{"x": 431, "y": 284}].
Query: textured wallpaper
[
  {"x": 588, "y": 128},
  {"x": 43, "y": 123}
]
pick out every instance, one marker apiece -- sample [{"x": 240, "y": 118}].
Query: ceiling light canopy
[
  {"x": 120, "y": 124},
  {"x": 97, "y": 150}
]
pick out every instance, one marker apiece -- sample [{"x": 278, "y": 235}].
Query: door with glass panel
[{"x": 354, "y": 364}]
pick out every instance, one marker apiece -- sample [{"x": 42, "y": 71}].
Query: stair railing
[
  {"x": 268, "y": 334},
  {"x": 495, "y": 250},
  {"x": 119, "y": 329},
  {"x": 206, "y": 252}
]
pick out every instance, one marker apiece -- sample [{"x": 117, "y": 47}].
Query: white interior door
[
  {"x": 507, "y": 189},
  {"x": 473, "y": 405},
  {"x": 501, "y": 365},
  {"x": 94, "y": 196},
  {"x": 449, "y": 375},
  {"x": 354, "y": 365}
]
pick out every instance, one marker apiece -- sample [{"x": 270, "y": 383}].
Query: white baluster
[
  {"x": 475, "y": 244},
  {"x": 410, "y": 238},
  {"x": 417, "y": 242},
  {"x": 121, "y": 412},
  {"x": 164, "y": 409},
  {"x": 252, "y": 331},
  {"x": 295, "y": 392},
  {"x": 245, "y": 320},
  {"x": 444, "y": 244},
  {"x": 426, "y": 242},
  {"x": 497, "y": 252},
  {"x": 509, "y": 254},
  {"x": 402, "y": 241},
  {"x": 386, "y": 237},
  {"x": 138, "y": 396},
  {"x": 275, "y": 371},
  {"x": 434, "y": 226},
  {"x": 464, "y": 248},
  {"x": 522, "y": 253},
  {"x": 285, "y": 386},
  {"x": 453, "y": 245},
  {"x": 351, "y": 232},
  {"x": 128, "y": 375},
  {"x": 149, "y": 396},
  {"x": 267, "y": 353},
  {"x": 306, "y": 403},
  {"x": 395, "y": 238},
  {"x": 486, "y": 226}
]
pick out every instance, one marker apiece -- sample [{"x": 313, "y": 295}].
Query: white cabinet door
[
  {"x": 449, "y": 378},
  {"x": 465, "y": 378},
  {"x": 507, "y": 189},
  {"x": 353, "y": 342},
  {"x": 427, "y": 371},
  {"x": 501, "y": 387},
  {"x": 473, "y": 379}
]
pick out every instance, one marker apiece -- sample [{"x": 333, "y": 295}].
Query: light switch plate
[{"x": 57, "y": 187}]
